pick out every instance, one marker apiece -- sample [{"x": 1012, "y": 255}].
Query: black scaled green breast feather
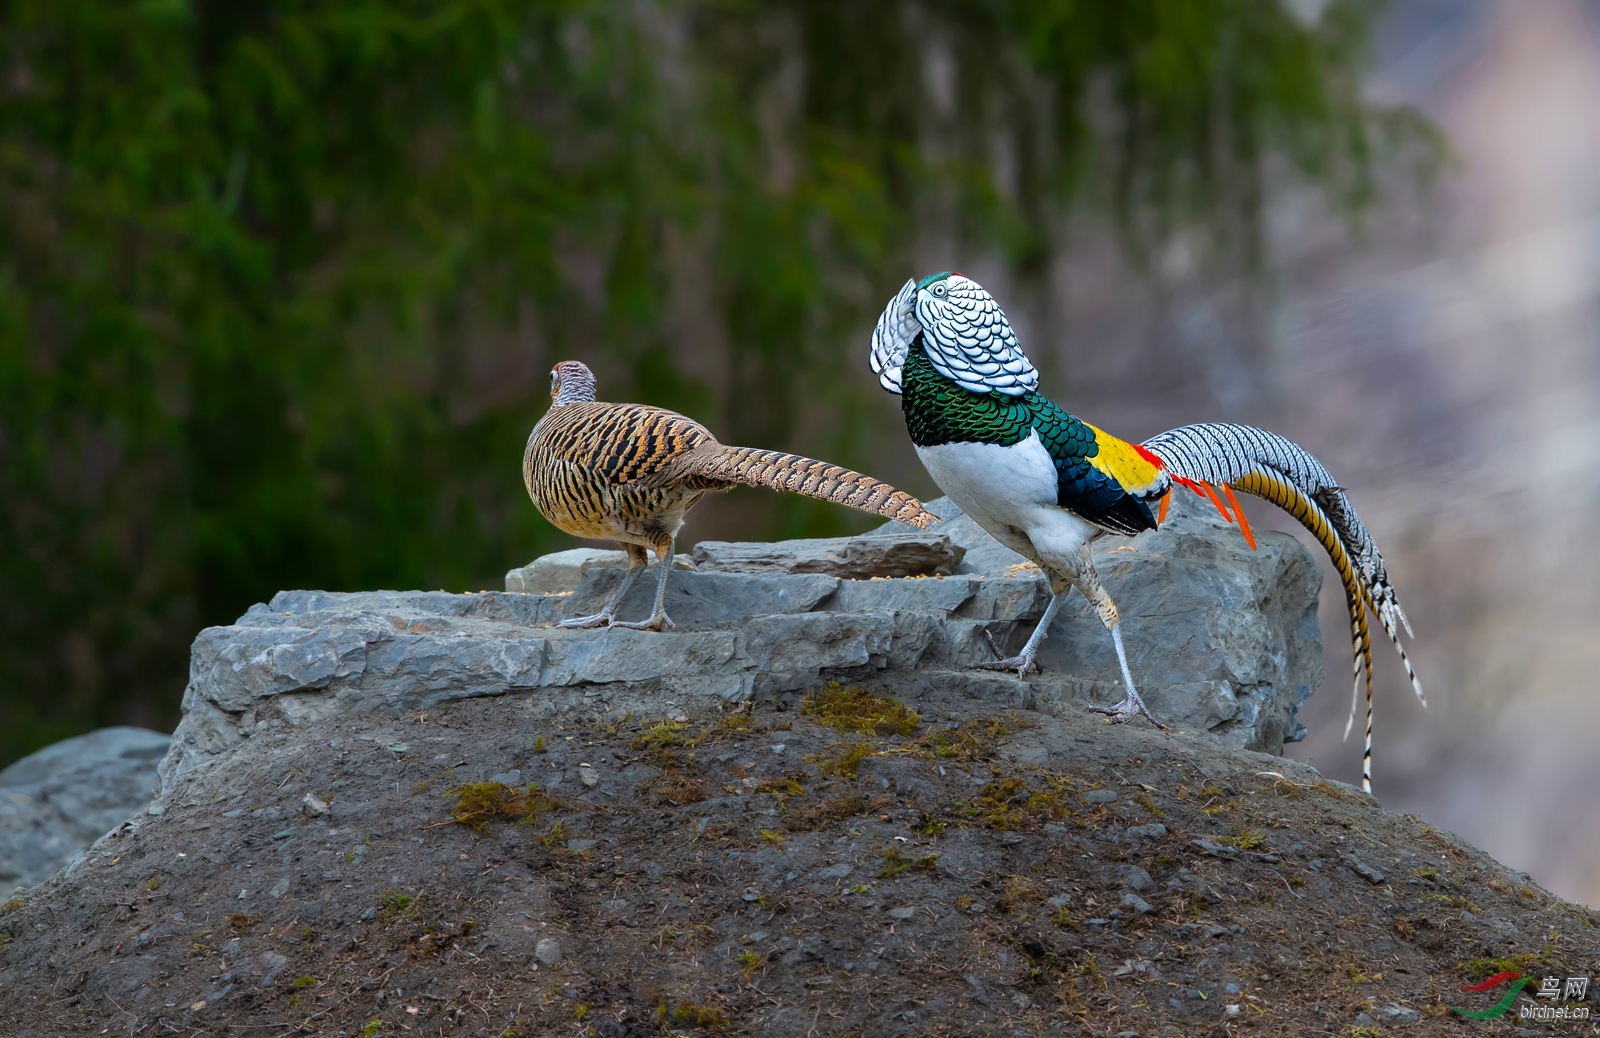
[{"x": 938, "y": 412}]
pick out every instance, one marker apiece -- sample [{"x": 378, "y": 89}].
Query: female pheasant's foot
[
  {"x": 1132, "y": 706},
  {"x": 658, "y": 622},
  {"x": 597, "y": 620},
  {"x": 1021, "y": 663}
]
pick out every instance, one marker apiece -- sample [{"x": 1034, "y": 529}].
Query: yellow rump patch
[{"x": 1119, "y": 460}]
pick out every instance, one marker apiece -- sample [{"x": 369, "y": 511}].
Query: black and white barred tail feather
[
  {"x": 1278, "y": 470},
  {"x": 1220, "y": 452}
]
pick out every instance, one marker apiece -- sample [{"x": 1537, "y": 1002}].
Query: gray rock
[
  {"x": 902, "y": 913},
  {"x": 1100, "y": 796},
  {"x": 903, "y": 553},
  {"x": 1215, "y": 850},
  {"x": 59, "y": 800},
  {"x": 1399, "y": 1015},
  {"x": 1151, "y": 831},
  {"x": 1137, "y": 903},
  {"x": 1362, "y": 869},
  {"x": 548, "y": 951},
  {"x": 563, "y": 571},
  {"x": 1135, "y": 878},
  {"x": 839, "y": 871},
  {"x": 1225, "y": 639},
  {"x": 272, "y": 967},
  {"x": 1365, "y": 1020}
]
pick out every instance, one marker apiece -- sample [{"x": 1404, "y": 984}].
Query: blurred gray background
[{"x": 1445, "y": 365}]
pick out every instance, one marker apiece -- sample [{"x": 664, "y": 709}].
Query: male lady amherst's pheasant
[
  {"x": 628, "y": 473},
  {"x": 1045, "y": 483}
]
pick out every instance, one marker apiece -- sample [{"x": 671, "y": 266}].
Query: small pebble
[
  {"x": 1100, "y": 796},
  {"x": 902, "y": 913},
  {"x": 1137, "y": 903},
  {"x": 547, "y": 951},
  {"x": 1136, "y": 878},
  {"x": 1398, "y": 1015},
  {"x": 1362, "y": 869}
]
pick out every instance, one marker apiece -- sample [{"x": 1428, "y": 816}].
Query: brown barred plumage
[{"x": 629, "y": 473}]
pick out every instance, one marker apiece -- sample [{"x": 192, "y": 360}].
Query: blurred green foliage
[{"x": 282, "y": 281}]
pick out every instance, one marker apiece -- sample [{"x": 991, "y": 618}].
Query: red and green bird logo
[{"x": 1501, "y": 1007}]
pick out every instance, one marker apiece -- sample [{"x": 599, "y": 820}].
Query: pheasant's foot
[
  {"x": 1020, "y": 663},
  {"x": 659, "y": 622},
  {"x": 1132, "y": 706},
  {"x": 597, "y": 620}
]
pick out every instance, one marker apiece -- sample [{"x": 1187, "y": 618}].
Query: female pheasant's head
[
  {"x": 963, "y": 331},
  {"x": 571, "y": 382}
]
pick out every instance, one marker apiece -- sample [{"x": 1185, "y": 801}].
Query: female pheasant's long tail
[
  {"x": 1280, "y": 471},
  {"x": 721, "y": 464}
]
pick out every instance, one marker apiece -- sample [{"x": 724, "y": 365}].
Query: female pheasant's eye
[{"x": 938, "y": 290}]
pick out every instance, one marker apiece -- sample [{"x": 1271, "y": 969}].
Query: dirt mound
[{"x": 499, "y": 867}]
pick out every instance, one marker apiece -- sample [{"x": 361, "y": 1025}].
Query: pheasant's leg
[
  {"x": 1132, "y": 704},
  {"x": 637, "y": 560},
  {"x": 1023, "y": 660},
  {"x": 658, "y": 615}
]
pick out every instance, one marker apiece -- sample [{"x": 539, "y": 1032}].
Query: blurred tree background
[{"x": 282, "y": 281}]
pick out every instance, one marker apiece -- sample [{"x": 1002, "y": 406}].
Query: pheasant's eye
[
  {"x": 939, "y": 289},
  {"x": 555, "y": 378}
]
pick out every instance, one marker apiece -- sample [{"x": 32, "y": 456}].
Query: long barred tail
[
  {"x": 819, "y": 479},
  {"x": 1280, "y": 471}
]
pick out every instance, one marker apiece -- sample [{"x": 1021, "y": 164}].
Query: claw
[
  {"x": 597, "y": 620},
  {"x": 1021, "y": 664},
  {"x": 1132, "y": 706},
  {"x": 656, "y": 623}
]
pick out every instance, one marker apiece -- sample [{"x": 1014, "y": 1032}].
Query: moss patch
[
  {"x": 843, "y": 759},
  {"x": 479, "y": 803},
  {"x": 855, "y": 710},
  {"x": 829, "y": 812},
  {"x": 1010, "y": 804},
  {"x": 975, "y": 740}
]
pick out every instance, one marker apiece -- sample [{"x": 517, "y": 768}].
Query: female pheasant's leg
[
  {"x": 658, "y": 616},
  {"x": 637, "y": 560},
  {"x": 1023, "y": 660}
]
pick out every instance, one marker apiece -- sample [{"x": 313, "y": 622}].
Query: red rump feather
[{"x": 1147, "y": 456}]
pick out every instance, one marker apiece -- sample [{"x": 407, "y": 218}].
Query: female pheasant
[
  {"x": 628, "y": 473},
  {"x": 1046, "y": 484}
]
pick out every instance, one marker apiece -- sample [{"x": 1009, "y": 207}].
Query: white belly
[{"x": 1010, "y": 492}]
